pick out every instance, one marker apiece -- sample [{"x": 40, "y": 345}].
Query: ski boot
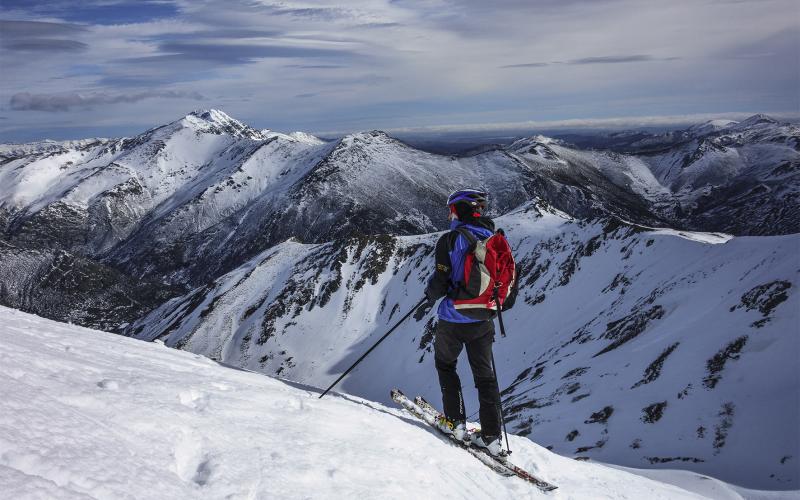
[
  {"x": 492, "y": 444},
  {"x": 455, "y": 428}
]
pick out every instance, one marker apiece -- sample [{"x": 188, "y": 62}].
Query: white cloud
[
  {"x": 25, "y": 101},
  {"x": 614, "y": 123}
]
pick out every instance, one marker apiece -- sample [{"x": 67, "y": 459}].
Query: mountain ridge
[{"x": 191, "y": 200}]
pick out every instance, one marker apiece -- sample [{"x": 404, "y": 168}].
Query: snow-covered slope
[
  {"x": 630, "y": 345},
  {"x": 88, "y": 415},
  {"x": 587, "y": 183},
  {"x": 146, "y": 195},
  {"x": 736, "y": 175},
  {"x": 199, "y": 196},
  {"x": 366, "y": 183},
  {"x": 709, "y": 127}
]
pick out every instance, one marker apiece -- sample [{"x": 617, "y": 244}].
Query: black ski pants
[{"x": 478, "y": 339}]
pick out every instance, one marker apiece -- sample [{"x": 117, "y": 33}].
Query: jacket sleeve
[{"x": 439, "y": 283}]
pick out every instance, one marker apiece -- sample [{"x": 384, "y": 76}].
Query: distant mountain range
[
  {"x": 658, "y": 288},
  {"x": 192, "y": 199}
]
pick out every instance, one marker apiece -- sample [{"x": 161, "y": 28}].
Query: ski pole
[
  {"x": 494, "y": 370},
  {"x": 500, "y": 409},
  {"x": 373, "y": 346}
]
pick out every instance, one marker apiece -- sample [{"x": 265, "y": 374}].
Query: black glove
[{"x": 424, "y": 308}]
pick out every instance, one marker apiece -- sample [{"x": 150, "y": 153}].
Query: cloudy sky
[{"x": 72, "y": 69}]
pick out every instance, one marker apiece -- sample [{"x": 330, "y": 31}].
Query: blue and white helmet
[{"x": 472, "y": 197}]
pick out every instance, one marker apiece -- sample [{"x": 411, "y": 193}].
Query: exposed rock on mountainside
[{"x": 57, "y": 284}]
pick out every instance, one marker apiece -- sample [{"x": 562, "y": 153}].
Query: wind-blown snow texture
[{"x": 91, "y": 415}]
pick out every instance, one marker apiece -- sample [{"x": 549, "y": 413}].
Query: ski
[
  {"x": 428, "y": 414},
  {"x": 545, "y": 486},
  {"x": 471, "y": 428}
]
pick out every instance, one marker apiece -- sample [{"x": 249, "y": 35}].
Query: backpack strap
[{"x": 472, "y": 240}]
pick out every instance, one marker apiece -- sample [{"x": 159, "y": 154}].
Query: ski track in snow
[{"x": 86, "y": 414}]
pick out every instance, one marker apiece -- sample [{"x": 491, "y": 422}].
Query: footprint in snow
[
  {"x": 109, "y": 385},
  {"x": 192, "y": 398},
  {"x": 192, "y": 463}
]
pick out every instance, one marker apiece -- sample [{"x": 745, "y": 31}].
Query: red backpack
[{"x": 489, "y": 269}]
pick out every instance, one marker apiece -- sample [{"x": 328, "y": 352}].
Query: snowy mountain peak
[
  {"x": 538, "y": 146},
  {"x": 372, "y": 136},
  {"x": 536, "y": 139},
  {"x": 757, "y": 119},
  {"x": 359, "y": 143},
  {"x": 213, "y": 116},
  {"x": 544, "y": 139},
  {"x": 218, "y": 122},
  {"x": 710, "y": 126},
  {"x": 305, "y": 137}
]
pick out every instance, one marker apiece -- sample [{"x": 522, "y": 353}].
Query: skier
[{"x": 463, "y": 325}]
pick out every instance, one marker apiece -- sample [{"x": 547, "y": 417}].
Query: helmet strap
[{"x": 453, "y": 214}]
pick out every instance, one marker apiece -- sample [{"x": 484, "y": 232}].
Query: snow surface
[
  {"x": 86, "y": 414},
  {"x": 708, "y": 486}
]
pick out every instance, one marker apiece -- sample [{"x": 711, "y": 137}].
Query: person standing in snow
[{"x": 457, "y": 328}]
